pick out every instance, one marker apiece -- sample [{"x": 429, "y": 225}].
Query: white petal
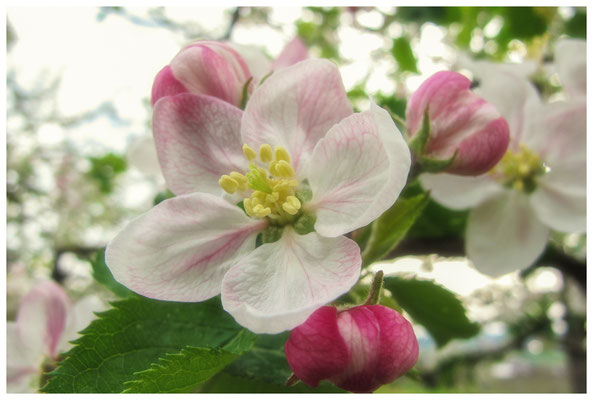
[
  {"x": 280, "y": 284},
  {"x": 295, "y": 107},
  {"x": 357, "y": 171},
  {"x": 504, "y": 234},
  {"x": 43, "y": 315},
  {"x": 570, "y": 58},
  {"x": 460, "y": 192},
  {"x": 181, "y": 249},
  {"x": 514, "y": 97},
  {"x": 259, "y": 64},
  {"x": 560, "y": 207}
]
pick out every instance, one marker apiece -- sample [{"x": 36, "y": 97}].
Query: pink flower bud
[
  {"x": 460, "y": 121},
  {"x": 358, "y": 350},
  {"x": 204, "y": 67}
]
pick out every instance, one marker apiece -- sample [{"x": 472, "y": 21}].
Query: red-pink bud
[
  {"x": 460, "y": 121},
  {"x": 204, "y": 67},
  {"x": 358, "y": 350}
]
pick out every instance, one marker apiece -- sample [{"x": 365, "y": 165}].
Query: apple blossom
[
  {"x": 463, "y": 126},
  {"x": 221, "y": 69},
  {"x": 358, "y": 349},
  {"x": 305, "y": 171},
  {"x": 538, "y": 185},
  {"x": 46, "y": 321}
]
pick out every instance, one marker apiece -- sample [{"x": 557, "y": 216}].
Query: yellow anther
[
  {"x": 518, "y": 185},
  {"x": 248, "y": 207},
  {"x": 261, "y": 211},
  {"x": 250, "y": 154},
  {"x": 240, "y": 178},
  {"x": 270, "y": 198},
  {"x": 284, "y": 169},
  {"x": 265, "y": 153},
  {"x": 228, "y": 184},
  {"x": 272, "y": 168},
  {"x": 289, "y": 209},
  {"x": 293, "y": 201},
  {"x": 281, "y": 154}
]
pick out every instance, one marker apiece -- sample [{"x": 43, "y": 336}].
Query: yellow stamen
[
  {"x": 284, "y": 169},
  {"x": 265, "y": 153},
  {"x": 228, "y": 184},
  {"x": 281, "y": 153},
  {"x": 272, "y": 190},
  {"x": 249, "y": 153},
  {"x": 519, "y": 169}
]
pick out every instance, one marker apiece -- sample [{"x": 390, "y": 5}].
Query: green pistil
[{"x": 256, "y": 181}]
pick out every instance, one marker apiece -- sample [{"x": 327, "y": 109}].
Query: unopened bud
[{"x": 358, "y": 349}]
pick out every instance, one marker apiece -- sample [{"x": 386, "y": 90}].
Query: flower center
[
  {"x": 268, "y": 187},
  {"x": 519, "y": 170}
]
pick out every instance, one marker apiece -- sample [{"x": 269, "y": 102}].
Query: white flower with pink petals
[
  {"x": 46, "y": 321},
  {"x": 540, "y": 183},
  {"x": 319, "y": 172}
]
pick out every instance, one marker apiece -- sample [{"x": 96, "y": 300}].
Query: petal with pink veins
[
  {"x": 213, "y": 69},
  {"x": 460, "y": 192},
  {"x": 42, "y": 317},
  {"x": 197, "y": 140},
  {"x": 181, "y": 249},
  {"x": 165, "y": 84},
  {"x": 292, "y": 53},
  {"x": 280, "y": 284},
  {"x": 357, "y": 172},
  {"x": 295, "y": 107},
  {"x": 504, "y": 234}
]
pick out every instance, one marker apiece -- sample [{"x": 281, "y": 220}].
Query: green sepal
[
  {"x": 272, "y": 234},
  {"x": 433, "y": 165},
  {"x": 245, "y": 94},
  {"x": 305, "y": 224},
  {"x": 304, "y": 193},
  {"x": 418, "y": 143}
]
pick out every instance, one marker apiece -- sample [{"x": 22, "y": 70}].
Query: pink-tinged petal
[
  {"x": 481, "y": 150},
  {"x": 83, "y": 313},
  {"x": 357, "y": 171},
  {"x": 447, "y": 85},
  {"x": 461, "y": 123},
  {"x": 197, "y": 141},
  {"x": 181, "y": 249},
  {"x": 295, "y": 107},
  {"x": 460, "y": 192},
  {"x": 212, "y": 68},
  {"x": 316, "y": 350},
  {"x": 398, "y": 352},
  {"x": 294, "y": 52},
  {"x": 515, "y": 99},
  {"x": 42, "y": 317},
  {"x": 361, "y": 332},
  {"x": 165, "y": 84},
  {"x": 570, "y": 58},
  {"x": 504, "y": 234},
  {"x": 257, "y": 61},
  {"x": 358, "y": 349},
  {"x": 280, "y": 284}
]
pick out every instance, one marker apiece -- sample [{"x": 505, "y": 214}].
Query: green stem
[{"x": 375, "y": 290}]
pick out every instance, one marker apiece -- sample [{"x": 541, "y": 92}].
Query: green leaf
[
  {"x": 105, "y": 168},
  {"x": 102, "y": 274},
  {"x": 403, "y": 54},
  {"x": 185, "y": 371},
  {"x": 433, "y": 306},
  {"x": 392, "y": 226},
  {"x": 433, "y": 165},
  {"x": 263, "y": 369},
  {"x": 134, "y": 334},
  {"x": 162, "y": 196}
]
